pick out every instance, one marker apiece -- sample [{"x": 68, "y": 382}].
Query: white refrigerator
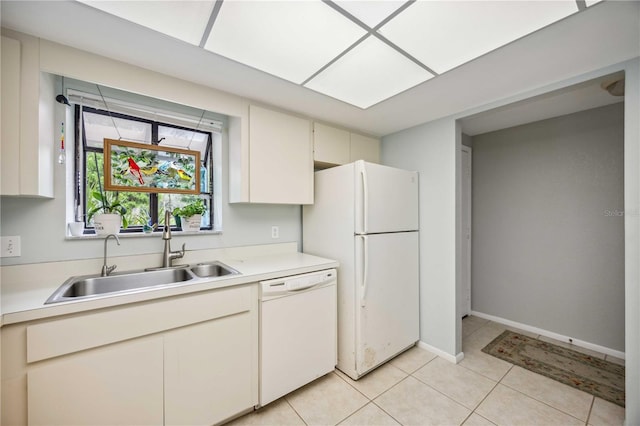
[{"x": 366, "y": 216}]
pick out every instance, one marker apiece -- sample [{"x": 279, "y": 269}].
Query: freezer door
[
  {"x": 387, "y": 311},
  {"x": 386, "y": 199}
]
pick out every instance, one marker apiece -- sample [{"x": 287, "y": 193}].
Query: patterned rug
[{"x": 596, "y": 376}]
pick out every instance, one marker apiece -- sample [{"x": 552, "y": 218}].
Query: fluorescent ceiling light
[
  {"x": 369, "y": 73},
  {"x": 184, "y": 20},
  {"x": 370, "y": 12},
  {"x": 289, "y": 39},
  {"x": 313, "y": 42},
  {"x": 445, "y": 34}
]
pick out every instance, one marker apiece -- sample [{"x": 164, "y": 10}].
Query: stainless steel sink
[
  {"x": 94, "y": 285},
  {"x": 213, "y": 269}
]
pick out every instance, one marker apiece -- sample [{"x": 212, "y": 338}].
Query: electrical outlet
[
  {"x": 275, "y": 232},
  {"x": 10, "y": 246}
]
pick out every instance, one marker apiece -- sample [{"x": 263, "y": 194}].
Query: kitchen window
[{"x": 93, "y": 125}]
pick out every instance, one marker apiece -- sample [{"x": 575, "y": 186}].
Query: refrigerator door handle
[
  {"x": 365, "y": 201},
  {"x": 365, "y": 268}
]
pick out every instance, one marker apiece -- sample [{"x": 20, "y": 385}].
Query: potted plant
[
  {"x": 107, "y": 213},
  {"x": 191, "y": 215}
]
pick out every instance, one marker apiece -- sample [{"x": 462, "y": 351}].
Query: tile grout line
[
  {"x": 593, "y": 401},
  {"x": 294, "y": 410},
  {"x": 542, "y": 402},
  {"x": 440, "y": 392},
  {"x": 487, "y": 395},
  {"x": 385, "y": 411},
  {"x": 369, "y": 400}
]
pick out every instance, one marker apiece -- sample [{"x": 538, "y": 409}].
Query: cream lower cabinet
[
  {"x": 206, "y": 374},
  {"x": 189, "y": 359},
  {"x": 120, "y": 384}
]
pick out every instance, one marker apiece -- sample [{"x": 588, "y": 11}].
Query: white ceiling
[
  {"x": 599, "y": 36},
  {"x": 575, "y": 98}
]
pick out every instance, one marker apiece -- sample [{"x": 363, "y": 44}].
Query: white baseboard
[
  {"x": 552, "y": 335},
  {"x": 451, "y": 358}
]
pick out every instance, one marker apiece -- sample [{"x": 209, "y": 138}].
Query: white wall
[
  {"x": 41, "y": 223},
  {"x": 431, "y": 149},
  {"x": 548, "y": 230}
]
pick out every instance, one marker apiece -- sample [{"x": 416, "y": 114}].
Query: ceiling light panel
[
  {"x": 289, "y": 39},
  {"x": 184, "y": 20},
  {"x": 369, "y": 73},
  {"x": 445, "y": 34},
  {"x": 370, "y": 12}
]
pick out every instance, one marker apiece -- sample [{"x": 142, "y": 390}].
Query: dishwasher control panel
[{"x": 297, "y": 283}]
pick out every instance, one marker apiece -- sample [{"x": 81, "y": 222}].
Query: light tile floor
[{"x": 420, "y": 388}]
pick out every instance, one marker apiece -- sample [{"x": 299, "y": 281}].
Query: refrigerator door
[
  {"x": 387, "y": 305},
  {"x": 386, "y": 199}
]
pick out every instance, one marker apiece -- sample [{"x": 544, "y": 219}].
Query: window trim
[{"x": 80, "y": 169}]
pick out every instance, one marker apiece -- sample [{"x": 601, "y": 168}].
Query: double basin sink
[{"x": 93, "y": 286}]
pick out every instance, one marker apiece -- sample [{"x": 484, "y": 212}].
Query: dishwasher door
[{"x": 298, "y": 332}]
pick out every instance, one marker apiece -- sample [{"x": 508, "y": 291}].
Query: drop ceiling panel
[
  {"x": 288, "y": 39},
  {"x": 446, "y": 34},
  {"x": 184, "y": 20},
  {"x": 370, "y": 12},
  {"x": 368, "y": 74}
]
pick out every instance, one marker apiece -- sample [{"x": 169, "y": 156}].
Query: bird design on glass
[
  {"x": 150, "y": 169},
  {"x": 135, "y": 170}
]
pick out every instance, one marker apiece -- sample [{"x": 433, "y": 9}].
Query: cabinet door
[
  {"x": 10, "y": 138},
  {"x": 209, "y": 373},
  {"x": 330, "y": 145},
  {"x": 120, "y": 384},
  {"x": 364, "y": 148},
  {"x": 28, "y": 104},
  {"x": 280, "y": 158}
]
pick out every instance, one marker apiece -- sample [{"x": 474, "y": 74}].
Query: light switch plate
[{"x": 10, "y": 246}]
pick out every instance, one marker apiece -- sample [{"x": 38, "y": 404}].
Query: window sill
[{"x": 143, "y": 235}]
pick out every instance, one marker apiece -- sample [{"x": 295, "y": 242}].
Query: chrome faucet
[
  {"x": 168, "y": 255},
  {"x": 106, "y": 270}
]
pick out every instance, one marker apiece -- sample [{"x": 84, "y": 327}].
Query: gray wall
[
  {"x": 432, "y": 150},
  {"x": 548, "y": 230}
]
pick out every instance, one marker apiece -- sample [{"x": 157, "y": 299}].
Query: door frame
[{"x": 466, "y": 209}]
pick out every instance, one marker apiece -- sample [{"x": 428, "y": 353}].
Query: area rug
[{"x": 596, "y": 376}]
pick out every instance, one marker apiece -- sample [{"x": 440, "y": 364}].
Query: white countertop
[{"x": 26, "y": 302}]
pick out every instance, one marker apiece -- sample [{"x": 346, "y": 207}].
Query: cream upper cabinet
[
  {"x": 10, "y": 98},
  {"x": 364, "y": 148},
  {"x": 28, "y": 136},
  {"x": 330, "y": 145},
  {"x": 333, "y": 146},
  {"x": 276, "y": 165}
]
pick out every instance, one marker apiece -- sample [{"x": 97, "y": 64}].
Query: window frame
[{"x": 80, "y": 168}]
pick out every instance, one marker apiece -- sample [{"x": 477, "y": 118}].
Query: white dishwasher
[{"x": 298, "y": 332}]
